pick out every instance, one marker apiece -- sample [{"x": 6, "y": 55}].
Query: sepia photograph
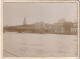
[{"x": 40, "y": 29}]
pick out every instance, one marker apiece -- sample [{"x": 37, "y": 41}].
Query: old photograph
[{"x": 40, "y": 29}]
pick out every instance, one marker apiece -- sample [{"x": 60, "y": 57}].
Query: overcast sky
[{"x": 14, "y": 13}]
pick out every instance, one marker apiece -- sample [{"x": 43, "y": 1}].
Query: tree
[{"x": 67, "y": 27}]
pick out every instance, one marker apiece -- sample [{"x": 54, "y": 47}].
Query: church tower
[{"x": 24, "y": 22}]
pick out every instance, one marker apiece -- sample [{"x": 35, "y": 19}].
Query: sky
[{"x": 14, "y": 13}]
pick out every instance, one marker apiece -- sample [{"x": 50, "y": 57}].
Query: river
[{"x": 39, "y": 45}]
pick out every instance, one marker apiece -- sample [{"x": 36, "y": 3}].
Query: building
[
  {"x": 58, "y": 28},
  {"x": 74, "y": 29}
]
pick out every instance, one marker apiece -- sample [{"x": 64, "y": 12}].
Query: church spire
[{"x": 24, "y": 22}]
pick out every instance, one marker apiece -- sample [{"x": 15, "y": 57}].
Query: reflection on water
[{"x": 40, "y": 45}]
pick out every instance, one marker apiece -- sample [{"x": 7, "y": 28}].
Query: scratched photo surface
[{"x": 40, "y": 29}]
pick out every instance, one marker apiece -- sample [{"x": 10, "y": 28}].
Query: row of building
[{"x": 60, "y": 27}]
